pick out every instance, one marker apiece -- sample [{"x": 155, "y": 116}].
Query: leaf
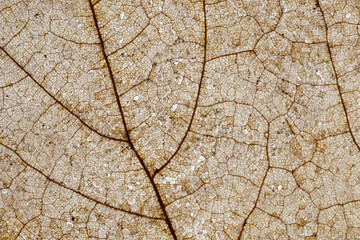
[{"x": 179, "y": 119}]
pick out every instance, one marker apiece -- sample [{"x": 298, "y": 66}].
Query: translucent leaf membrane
[{"x": 179, "y": 119}]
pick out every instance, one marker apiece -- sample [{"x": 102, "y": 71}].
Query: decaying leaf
[{"x": 147, "y": 119}]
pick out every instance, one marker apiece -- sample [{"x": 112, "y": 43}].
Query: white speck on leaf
[{"x": 174, "y": 107}]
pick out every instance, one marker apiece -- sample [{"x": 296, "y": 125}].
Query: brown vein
[
  {"x": 337, "y": 78},
  {"x": 58, "y": 101},
  {"x": 196, "y": 101},
  {"x": 73, "y": 190},
  {"x": 261, "y": 186},
  {"x": 161, "y": 203}
]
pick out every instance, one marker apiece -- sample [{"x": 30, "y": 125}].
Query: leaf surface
[{"x": 179, "y": 119}]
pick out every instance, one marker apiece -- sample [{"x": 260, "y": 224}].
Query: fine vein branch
[
  {"x": 58, "y": 101},
  {"x": 74, "y": 190}
]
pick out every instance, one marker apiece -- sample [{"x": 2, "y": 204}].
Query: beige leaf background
[{"x": 147, "y": 119}]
